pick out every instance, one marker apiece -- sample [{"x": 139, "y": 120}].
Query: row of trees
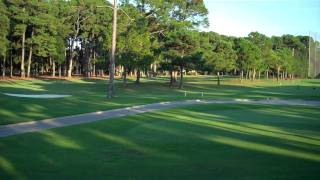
[
  {"x": 154, "y": 36},
  {"x": 284, "y": 56},
  {"x": 39, "y": 35}
]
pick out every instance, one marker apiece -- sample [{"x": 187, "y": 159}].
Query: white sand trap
[{"x": 41, "y": 96}]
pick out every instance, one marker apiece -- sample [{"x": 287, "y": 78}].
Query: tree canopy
[{"x": 154, "y": 37}]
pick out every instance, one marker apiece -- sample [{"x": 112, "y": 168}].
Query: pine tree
[
  {"x": 181, "y": 45},
  {"x": 4, "y": 30},
  {"x": 19, "y": 13}
]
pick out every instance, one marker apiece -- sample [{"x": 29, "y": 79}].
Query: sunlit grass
[
  {"x": 194, "y": 142},
  {"x": 263, "y": 148},
  {"x": 89, "y": 95}
]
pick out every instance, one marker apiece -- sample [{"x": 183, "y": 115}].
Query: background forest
[{"x": 67, "y": 38}]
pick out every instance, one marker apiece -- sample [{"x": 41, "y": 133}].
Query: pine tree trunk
[
  {"x": 241, "y": 76},
  {"x": 65, "y": 69},
  {"x": 278, "y": 73},
  {"x": 286, "y": 74},
  {"x": 150, "y": 72},
  {"x": 94, "y": 70},
  {"x": 29, "y": 61},
  {"x": 22, "y": 70},
  {"x": 10, "y": 63},
  {"x": 53, "y": 67},
  {"x": 267, "y": 73},
  {"x": 124, "y": 77},
  {"x": 87, "y": 55},
  {"x": 29, "y": 58},
  {"x": 218, "y": 75},
  {"x": 138, "y": 76},
  {"x": 145, "y": 73},
  {"x": 175, "y": 74},
  {"x": 171, "y": 77},
  {"x": 42, "y": 69},
  {"x": 4, "y": 67},
  {"x": 47, "y": 68},
  {"x": 181, "y": 77},
  {"x": 154, "y": 71},
  {"x": 11, "y": 67},
  {"x": 113, "y": 50},
  {"x": 254, "y": 74},
  {"x": 36, "y": 70},
  {"x": 70, "y": 67},
  {"x": 59, "y": 70},
  {"x": 94, "y": 64},
  {"x": 77, "y": 68}
]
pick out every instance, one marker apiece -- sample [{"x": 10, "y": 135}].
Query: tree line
[{"x": 67, "y": 38}]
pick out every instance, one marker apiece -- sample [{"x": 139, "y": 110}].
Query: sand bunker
[{"x": 41, "y": 96}]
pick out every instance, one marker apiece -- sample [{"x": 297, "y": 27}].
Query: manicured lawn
[
  {"x": 90, "y": 95},
  {"x": 194, "y": 142}
]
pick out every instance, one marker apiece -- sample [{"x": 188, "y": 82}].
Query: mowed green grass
[
  {"x": 89, "y": 95},
  {"x": 193, "y": 142}
]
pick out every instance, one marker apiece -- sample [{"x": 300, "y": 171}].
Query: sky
[{"x": 270, "y": 17}]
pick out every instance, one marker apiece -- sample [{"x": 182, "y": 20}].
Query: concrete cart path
[{"x": 34, "y": 126}]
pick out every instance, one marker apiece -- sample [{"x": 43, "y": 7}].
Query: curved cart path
[{"x": 33, "y": 126}]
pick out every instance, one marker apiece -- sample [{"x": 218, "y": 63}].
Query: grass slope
[
  {"x": 90, "y": 95},
  {"x": 195, "y": 142}
]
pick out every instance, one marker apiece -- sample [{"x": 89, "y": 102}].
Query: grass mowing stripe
[
  {"x": 196, "y": 142},
  {"x": 89, "y": 95}
]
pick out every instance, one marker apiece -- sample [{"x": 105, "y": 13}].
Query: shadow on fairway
[
  {"x": 89, "y": 95},
  {"x": 196, "y": 142}
]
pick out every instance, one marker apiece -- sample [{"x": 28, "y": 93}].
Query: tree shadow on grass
[
  {"x": 191, "y": 143},
  {"x": 89, "y": 95},
  {"x": 276, "y": 131}
]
